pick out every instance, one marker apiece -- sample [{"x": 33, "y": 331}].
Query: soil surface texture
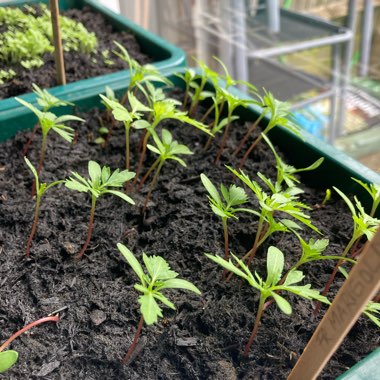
[
  {"x": 75, "y": 62},
  {"x": 204, "y": 338}
]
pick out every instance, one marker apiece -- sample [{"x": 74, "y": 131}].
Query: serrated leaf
[
  {"x": 149, "y": 309},
  {"x": 66, "y": 135},
  {"x": 229, "y": 265},
  {"x": 158, "y": 268},
  {"x": 73, "y": 184},
  {"x": 177, "y": 283}
]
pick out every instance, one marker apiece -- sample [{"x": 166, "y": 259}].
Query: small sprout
[
  {"x": 167, "y": 149},
  {"x": 106, "y": 58},
  {"x": 286, "y": 173},
  {"x": 225, "y": 208},
  {"x": 98, "y": 184},
  {"x": 364, "y": 225},
  {"x": 6, "y": 75},
  {"x": 373, "y": 190},
  {"x": 271, "y": 286},
  {"x": 128, "y": 118},
  {"x": 40, "y": 191},
  {"x": 47, "y": 100},
  {"x": 327, "y": 197},
  {"x": 157, "y": 277},
  {"x": 279, "y": 113},
  {"x": 49, "y": 121},
  {"x": 285, "y": 202},
  {"x": 9, "y": 358}
]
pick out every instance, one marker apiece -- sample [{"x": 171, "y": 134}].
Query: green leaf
[
  {"x": 66, "y": 133},
  {"x": 123, "y": 196},
  {"x": 211, "y": 189},
  {"x": 227, "y": 265},
  {"x": 64, "y": 118},
  {"x": 136, "y": 105},
  {"x": 95, "y": 171},
  {"x": 158, "y": 268},
  {"x": 275, "y": 265},
  {"x": 132, "y": 261},
  {"x": 7, "y": 360},
  {"x": 294, "y": 277},
  {"x": 33, "y": 170},
  {"x": 177, "y": 283},
  {"x": 118, "y": 178},
  {"x": 73, "y": 184},
  {"x": 149, "y": 309},
  {"x": 282, "y": 303},
  {"x": 164, "y": 300},
  {"x": 348, "y": 202},
  {"x": 106, "y": 172},
  {"x": 141, "y": 124},
  {"x": 153, "y": 149}
]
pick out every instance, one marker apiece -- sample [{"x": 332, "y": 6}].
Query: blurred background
[{"x": 322, "y": 56}]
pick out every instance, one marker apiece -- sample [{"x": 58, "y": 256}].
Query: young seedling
[
  {"x": 157, "y": 277},
  {"x": 138, "y": 73},
  {"x": 49, "y": 121},
  {"x": 286, "y": 173},
  {"x": 120, "y": 113},
  {"x": 225, "y": 208},
  {"x": 373, "y": 190},
  {"x": 271, "y": 286},
  {"x": 364, "y": 225},
  {"x": 167, "y": 149},
  {"x": 41, "y": 189},
  {"x": 99, "y": 183},
  {"x": 162, "y": 110},
  {"x": 9, "y": 358},
  {"x": 46, "y": 101},
  {"x": 372, "y": 309},
  {"x": 285, "y": 202},
  {"x": 233, "y": 103},
  {"x": 279, "y": 113}
]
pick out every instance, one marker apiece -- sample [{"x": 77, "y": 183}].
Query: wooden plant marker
[
  {"x": 58, "y": 49},
  {"x": 360, "y": 287}
]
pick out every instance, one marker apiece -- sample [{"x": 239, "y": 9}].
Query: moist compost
[
  {"x": 205, "y": 336},
  {"x": 77, "y": 65}
]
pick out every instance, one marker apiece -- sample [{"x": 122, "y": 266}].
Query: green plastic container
[
  {"x": 164, "y": 55},
  {"x": 336, "y": 170}
]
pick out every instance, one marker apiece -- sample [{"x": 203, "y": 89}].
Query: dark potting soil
[
  {"x": 77, "y": 65},
  {"x": 205, "y": 336}
]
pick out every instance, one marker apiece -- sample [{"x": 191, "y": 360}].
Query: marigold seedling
[
  {"x": 49, "y": 121},
  {"x": 120, "y": 113},
  {"x": 225, "y": 208},
  {"x": 373, "y": 190},
  {"x": 9, "y": 358},
  {"x": 158, "y": 277},
  {"x": 41, "y": 189},
  {"x": 99, "y": 183},
  {"x": 167, "y": 149},
  {"x": 285, "y": 202},
  {"x": 271, "y": 286},
  {"x": 279, "y": 115}
]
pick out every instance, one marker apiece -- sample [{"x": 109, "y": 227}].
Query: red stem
[
  {"x": 147, "y": 174},
  {"x": 242, "y": 161},
  {"x": 134, "y": 343},
  {"x": 245, "y": 138},
  {"x": 31, "y": 138},
  {"x": 27, "y": 327},
  {"x": 153, "y": 184},
  {"x": 90, "y": 227},
  {"x": 223, "y": 143},
  {"x": 34, "y": 227},
  {"x": 142, "y": 156},
  {"x": 255, "y": 328}
]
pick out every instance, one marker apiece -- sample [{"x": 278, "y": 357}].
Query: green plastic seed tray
[{"x": 164, "y": 55}]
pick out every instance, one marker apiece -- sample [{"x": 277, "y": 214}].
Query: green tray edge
[
  {"x": 171, "y": 56},
  {"x": 366, "y": 369}
]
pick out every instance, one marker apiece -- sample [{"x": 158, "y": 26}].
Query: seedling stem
[{"x": 132, "y": 347}]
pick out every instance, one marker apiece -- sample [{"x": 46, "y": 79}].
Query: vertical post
[
  {"x": 241, "y": 59},
  {"x": 367, "y": 25},
  {"x": 58, "y": 49},
  {"x": 346, "y": 70},
  {"x": 200, "y": 36},
  {"x": 226, "y": 38},
  {"x": 273, "y": 12},
  {"x": 336, "y": 49}
]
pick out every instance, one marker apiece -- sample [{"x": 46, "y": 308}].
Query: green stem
[
  {"x": 204, "y": 117},
  {"x": 249, "y": 132},
  {"x": 223, "y": 143},
  {"x": 42, "y": 154},
  {"x": 142, "y": 157},
  {"x": 226, "y": 243},
  {"x": 28, "y": 327},
  {"x": 30, "y": 140},
  {"x": 132, "y": 347},
  {"x": 34, "y": 226},
  {"x": 127, "y": 154},
  {"x": 90, "y": 227},
  {"x": 255, "y": 327},
  {"x": 153, "y": 183}
]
